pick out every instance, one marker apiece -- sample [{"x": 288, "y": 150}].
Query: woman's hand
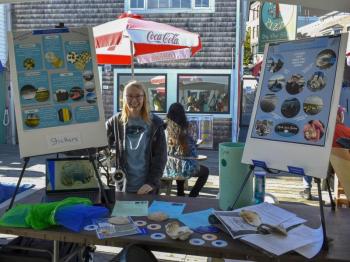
[{"x": 145, "y": 189}]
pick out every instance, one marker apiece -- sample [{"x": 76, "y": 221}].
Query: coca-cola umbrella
[{"x": 119, "y": 41}]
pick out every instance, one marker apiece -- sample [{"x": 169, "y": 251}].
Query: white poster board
[
  {"x": 56, "y": 89},
  {"x": 293, "y": 120}
]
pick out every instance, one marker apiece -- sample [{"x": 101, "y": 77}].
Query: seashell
[
  {"x": 250, "y": 217},
  {"x": 158, "y": 216},
  {"x": 175, "y": 231}
]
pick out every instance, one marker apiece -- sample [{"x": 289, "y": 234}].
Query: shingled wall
[{"x": 217, "y": 31}]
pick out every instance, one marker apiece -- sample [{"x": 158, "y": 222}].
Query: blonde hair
[{"x": 145, "y": 112}]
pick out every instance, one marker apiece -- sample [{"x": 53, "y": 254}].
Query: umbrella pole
[{"x": 132, "y": 61}]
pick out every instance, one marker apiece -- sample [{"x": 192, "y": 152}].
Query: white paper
[
  {"x": 270, "y": 214},
  {"x": 278, "y": 244},
  {"x": 292, "y": 222},
  {"x": 311, "y": 250}
]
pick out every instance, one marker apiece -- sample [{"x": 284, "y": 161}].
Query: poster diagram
[
  {"x": 56, "y": 81},
  {"x": 296, "y": 92},
  {"x": 56, "y": 86},
  {"x": 201, "y": 129},
  {"x": 294, "y": 113}
]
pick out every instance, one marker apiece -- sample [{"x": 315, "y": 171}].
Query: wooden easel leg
[
  {"x": 323, "y": 222},
  {"x": 26, "y": 160}
]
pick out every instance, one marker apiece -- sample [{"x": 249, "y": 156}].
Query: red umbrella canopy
[{"x": 118, "y": 41}]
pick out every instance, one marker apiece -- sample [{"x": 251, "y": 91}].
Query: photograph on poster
[
  {"x": 276, "y": 83},
  {"x": 295, "y": 84},
  {"x": 296, "y": 92},
  {"x": 317, "y": 81}
]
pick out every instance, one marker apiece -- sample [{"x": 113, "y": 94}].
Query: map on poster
[
  {"x": 57, "y": 91},
  {"x": 294, "y": 109}
]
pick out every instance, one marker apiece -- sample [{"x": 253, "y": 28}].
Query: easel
[
  {"x": 298, "y": 171},
  {"x": 91, "y": 159}
]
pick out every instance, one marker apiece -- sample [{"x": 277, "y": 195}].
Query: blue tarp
[{"x": 7, "y": 190}]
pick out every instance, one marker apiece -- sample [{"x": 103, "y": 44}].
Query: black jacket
[{"x": 156, "y": 149}]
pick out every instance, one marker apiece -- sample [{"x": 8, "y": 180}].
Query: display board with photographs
[
  {"x": 201, "y": 130},
  {"x": 294, "y": 109},
  {"x": 56, "y": 85},
  {"x": 296, "y": 91}
]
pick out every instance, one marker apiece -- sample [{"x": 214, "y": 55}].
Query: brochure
[{"x": 130, "y": 208}]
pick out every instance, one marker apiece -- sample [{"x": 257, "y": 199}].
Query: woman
[
  {"x": 139, "y": 140},
  {"x": 182, "y": 152}
]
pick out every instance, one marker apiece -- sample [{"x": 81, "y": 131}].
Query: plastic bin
[{"x": 232, "y": 173}]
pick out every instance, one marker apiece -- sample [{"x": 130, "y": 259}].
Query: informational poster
[
  {"x": 201, "y": 130},
  {"x": 56, "y": 91},
  {"x": 295, "y": 107}
]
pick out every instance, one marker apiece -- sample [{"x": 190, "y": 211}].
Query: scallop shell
[
  {"x": 250, "y": 217},
  {"x": 175, "y": 231},
  {"x": 158, "y": 216}
]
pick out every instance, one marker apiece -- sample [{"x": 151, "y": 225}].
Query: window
[
  {"x": 156, "y": 87},
  {"x": 337, "y": 31},
  {"x": 204, "y": 93},
  {"x": 202, "y": 3},
  {"x": 253, "y": 34},
  {"x": 137, "y": 4},
  {"x": 348, "y": 28},
  {"x": 155, "y": 4},
  {"x": 170, "y": 6}
]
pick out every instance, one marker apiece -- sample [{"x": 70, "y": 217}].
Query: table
[{"x": 338, "y": 229}]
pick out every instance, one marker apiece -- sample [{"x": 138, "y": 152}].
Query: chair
[
  {"x": 340, "y": 160},
  {"x": 168, "y": 182}
]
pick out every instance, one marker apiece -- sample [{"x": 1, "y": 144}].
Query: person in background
[
  {"x": 341, "y": 130},
  {"x": 181, "y": 163},
  {"x": 139, "y": 140}
]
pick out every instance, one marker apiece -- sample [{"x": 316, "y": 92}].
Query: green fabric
[
  {"x": 15, "y": 217},
  {"x": 38, "y": 216}
]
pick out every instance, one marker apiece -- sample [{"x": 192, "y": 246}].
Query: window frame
[
  {"x": 193, "y": 9},
  {"x": 206, "y": 113},
  {"x": 119, "y": 75}
]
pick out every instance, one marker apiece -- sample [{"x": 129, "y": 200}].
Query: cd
[
  {"x": 219, "y": 243},
  {"x": 158, "y": 236},
  {"x": 90, "y": 227},
  {"x": 154, "y": 226},
  {"x": 140, "y": 223},
  {"x": 209, "y": 237},
  {"x": 197, "y": 241}
]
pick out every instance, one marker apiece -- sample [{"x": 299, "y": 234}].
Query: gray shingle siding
[{"x": 217, "y": 29}]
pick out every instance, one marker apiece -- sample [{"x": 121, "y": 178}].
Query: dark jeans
[{"x": 202, "y": 175}]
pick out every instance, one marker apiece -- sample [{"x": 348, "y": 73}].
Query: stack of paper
[{"x": 304, "y": 240}]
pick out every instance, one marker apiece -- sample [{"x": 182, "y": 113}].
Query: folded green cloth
[{"x": 37, "y": 216}]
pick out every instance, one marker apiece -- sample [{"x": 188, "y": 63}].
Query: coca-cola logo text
[{"x": 166, "y": 38}]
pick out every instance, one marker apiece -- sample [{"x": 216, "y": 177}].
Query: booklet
[
  {"x": 130, "y": 208},
  {"x": 107, "y": 230},
  {"x": 268, "y": 213}
]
